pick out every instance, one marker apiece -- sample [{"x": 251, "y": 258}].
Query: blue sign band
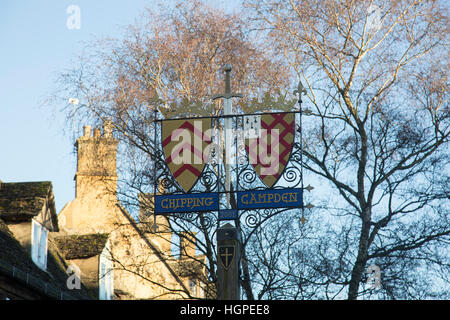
[
  {"x": 228, "y": 214},
  {"x": 193, "y": 202},
  {"x": 271, "y": 198}
]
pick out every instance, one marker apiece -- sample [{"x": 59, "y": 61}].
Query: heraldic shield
[
  {"x": 226, "y": 255},
  {"x": 270, "y": 151},
  {"x": 185, "y": 145}
]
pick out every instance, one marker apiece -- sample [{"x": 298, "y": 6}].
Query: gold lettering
[
  {"x": 294, "y": 196},
  {"x": 261, "y": 198},
  {"x": 277, "y": 198},
  {"x": 207, "y": 201},
  {"x": 163, "y": 203},
  {"x": 245, "y": 195}
]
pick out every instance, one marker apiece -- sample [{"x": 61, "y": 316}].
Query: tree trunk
[
  {"x": 246, "y": 285},
  {"x": 361, "y": 259}
]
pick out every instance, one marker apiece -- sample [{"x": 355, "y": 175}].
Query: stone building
[
  {"x": 92, "y": 249},
  {"x": 31, "y": 265},
  {"x": 141, "y": 264}
]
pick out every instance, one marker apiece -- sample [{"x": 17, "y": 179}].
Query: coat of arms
[
  {"x": 185, "y": 146},
  {"x": 269, "y": 151}
]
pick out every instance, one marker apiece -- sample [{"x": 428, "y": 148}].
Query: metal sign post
[
  {"x": 268, "y": 174},
  {"x": 227, "y": 236},
  {"x": 228, "y": 137},
  {"x": 228, "y": 256}
]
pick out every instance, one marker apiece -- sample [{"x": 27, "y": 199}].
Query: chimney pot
[
  {"x": 97, "y": 133},
  {"x": 107, "y": 129},
  {"x": 87, "y": 131}
]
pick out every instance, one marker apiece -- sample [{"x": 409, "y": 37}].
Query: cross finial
[{"x": 300, "y": 90}]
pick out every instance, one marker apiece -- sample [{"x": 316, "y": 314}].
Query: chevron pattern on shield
[
  {"x": 185, "y": 146},
  {"x": 270, "y": 152}
]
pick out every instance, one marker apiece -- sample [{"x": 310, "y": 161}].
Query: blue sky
[{"x": 35, "y": 44}]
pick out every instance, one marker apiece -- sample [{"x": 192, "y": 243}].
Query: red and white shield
[
  {"x": 270, "y": 151},
  {"x": 185, "y": 145}
]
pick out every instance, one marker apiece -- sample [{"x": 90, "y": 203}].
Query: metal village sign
[
  {"x": 243, "y": 166},
  {"x": 262, "y": 162}
]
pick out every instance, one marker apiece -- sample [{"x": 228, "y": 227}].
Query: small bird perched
[{"x": 73, "y": 101}]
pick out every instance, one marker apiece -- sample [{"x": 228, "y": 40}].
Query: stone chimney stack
[
  {"x": 96, "y": 162},
  {"x": 95, "y": 207},
  {"x": 87, "y": 131},
  {"x": 107, "y": 129}
]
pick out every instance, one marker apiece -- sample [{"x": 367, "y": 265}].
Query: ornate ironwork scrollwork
[
  {"x": 292, "y": 175},
  {"x": 208, "y": 221},
  {"x": 209, "y": 179},
  {"x": 251, "y": 220},
  {"x": 247, "y": 177}
]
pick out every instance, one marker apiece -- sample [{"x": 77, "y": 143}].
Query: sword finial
[
  {"x": 227, "y": 94},
  {"x": 227, "y": 70}
]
